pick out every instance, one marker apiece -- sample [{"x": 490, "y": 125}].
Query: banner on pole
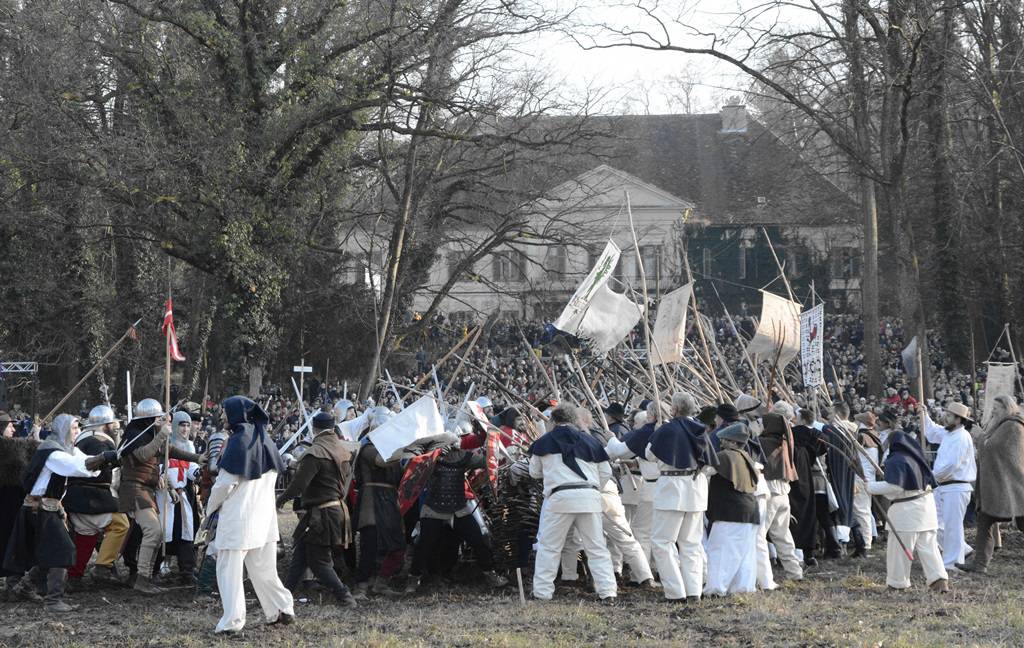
[
  {"x": 573, "y": 313},
  {"x": 669, "y": 334},
  {"x": 778, "y": 331},
  {"x": 418, "y": 422},
  {"x": 910, "y": 359},
  {"x": 812, "y": 325},
  {"x": 609, "y": 318},
  {"x": 1001, "y": 376}
]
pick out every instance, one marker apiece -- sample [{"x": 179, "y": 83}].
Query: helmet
[
  {"x": 179, "y": 418},
  {"x": 378, "y": 416},
  {"x": 484, "y": 402},
  {"x": 341, "y": 409},
  {"x": 148, "y": 408},
  {"x": 100, "y": 415}
]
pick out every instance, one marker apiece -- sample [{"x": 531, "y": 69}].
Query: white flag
[
  {"x": 812, "y": 325},
  {"x": 571, "y": 317},
  {"x": 609, "y": 318},
  {"x": 418, "y": 422},
  {"x": 1001, "y": 377},
  {"x": 780, "y": 322},
  {"x": 669, "y": 334}
]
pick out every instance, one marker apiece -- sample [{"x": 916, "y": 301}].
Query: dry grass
[{"x": 841, "y": 603}]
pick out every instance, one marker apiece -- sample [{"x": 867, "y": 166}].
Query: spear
[{"x": 130, "y": 333}]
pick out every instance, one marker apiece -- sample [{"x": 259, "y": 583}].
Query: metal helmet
[
  {"x": 378, "y": 416},
  {"x": 148, "y": 408},
  {"x": 100, "y": 415},
  {"x": 342, "y": 408},
  {"x": 484, "y": 402},
  {"x": 179, "y": 418}
]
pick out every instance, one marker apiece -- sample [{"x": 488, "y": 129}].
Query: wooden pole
[
  {"x": 1013, "y": 356},
  {"x": 167, "y": 442},
  {"x": 647, "y": 323},
  {"x": 91, "y": 371},
  {"x": 920, "y": 395},
  {"x": 445, "y": 357}
]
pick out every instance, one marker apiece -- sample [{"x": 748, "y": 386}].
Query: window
[
  {"x": 509, "y": 265},
  {"x": 791, "y": 267},
  {"x": 743, "y": 262},
  {"x": 705, "y": 262},
  {"x": 651, "y": 256},
  {"x": 453, "y": 259},
  {"x": 557, "y": 263}
]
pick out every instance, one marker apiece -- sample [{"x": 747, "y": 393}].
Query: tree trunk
[{"x": 869, "y": 208}]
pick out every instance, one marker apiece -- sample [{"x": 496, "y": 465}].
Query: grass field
[{"x": 840, "y": 603}]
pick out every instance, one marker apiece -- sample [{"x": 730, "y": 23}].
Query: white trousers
[
  {"x": 678, "y": 554},
  {"x": 261, "y": 565},
  {"x": 732, "y": 561},
  {"x": 621, "y": 541},
  {"x": 640, "y": 522},
  {"x": 897, "y": 564},
  {"x": 778, "y": 516},
  {"x": 862, "y": 511},
  {"x": 551, "y": 536},
  {"x": 765, "y": 578},
  {"x": 952, "y": 506}
]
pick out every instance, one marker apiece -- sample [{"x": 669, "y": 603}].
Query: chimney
[{"x": 734, "y": 118}]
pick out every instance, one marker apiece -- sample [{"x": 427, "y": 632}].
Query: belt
[
  {"x": 635, "y": 472},
  {"x": 651, "y": 481},
  {"x": 380, "y": 485},
  {"x": 331, "y": 504},
  {"x": 911, "y": 498},
  {"x": 565, "y": 487},
  {"x": 954, "y": 481},
  {"x": 677, "y": 473}
]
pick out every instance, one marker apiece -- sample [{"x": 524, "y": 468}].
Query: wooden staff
[
  {"x": 445, "y": 357},
  {"x": 920, "y": 395},
  {"x": 129, "y": 333},
  {"x": 167, "y": 442},
  {"x": 587, "y": 393},
  {"x": 458, "y": 368},
  {"x": 758, "y": 384},
  {"x": 540, "y": 365},
  {"x": 700, "y": 323},
  {"x": 643, "y": 283},
  {"x": 505, "y": 390}
]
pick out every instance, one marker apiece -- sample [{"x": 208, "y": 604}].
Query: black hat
[
  {"x": 5, "y": 418},
  {"x": 888, "y": 415},
  {"x": 643, "y": 404},
  {"x": 707, "y": 416},
  {"x": 323, "y": 421},
  {"x": 616, "y": 410},
  {"x": 727, "y": 412}
]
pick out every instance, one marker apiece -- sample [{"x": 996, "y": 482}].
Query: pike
[
  {"x": 130, "y": 333},
  {"x": 647, "y": 321},
  {"x": 458, "y": 368},
  {"x": 298, "y": 432},
  {"x": 452, "y": 352},
  {"x": 753, "y": 368},
  {"x": 857, "y": 469},
  {"x": 394, "y": 390}
]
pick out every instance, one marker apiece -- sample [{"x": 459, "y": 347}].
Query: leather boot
[{"x": 145, "y": 585}]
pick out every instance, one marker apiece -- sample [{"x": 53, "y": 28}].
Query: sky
[{"x": 643, "y": 80}]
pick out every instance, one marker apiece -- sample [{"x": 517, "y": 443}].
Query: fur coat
[{"x": 1000, "y": 487}]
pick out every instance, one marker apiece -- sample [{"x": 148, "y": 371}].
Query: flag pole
[
  {"x": 920, "y": 396},
  {"x": 167, "y": 408}
]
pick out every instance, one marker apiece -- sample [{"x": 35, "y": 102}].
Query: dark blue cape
[
  {"x": 906, "y": 466},
  {"x": 683, "y": 443},
  {"x": 572, "y": 445},
  {"x": 249, "y": 452},
  {"x": 638, "y": 439}
]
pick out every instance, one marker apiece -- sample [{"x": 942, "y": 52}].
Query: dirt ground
[{"x": 840, "y": 603}]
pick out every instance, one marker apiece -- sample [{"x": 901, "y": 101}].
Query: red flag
[{"x": 168, "y": 331}]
